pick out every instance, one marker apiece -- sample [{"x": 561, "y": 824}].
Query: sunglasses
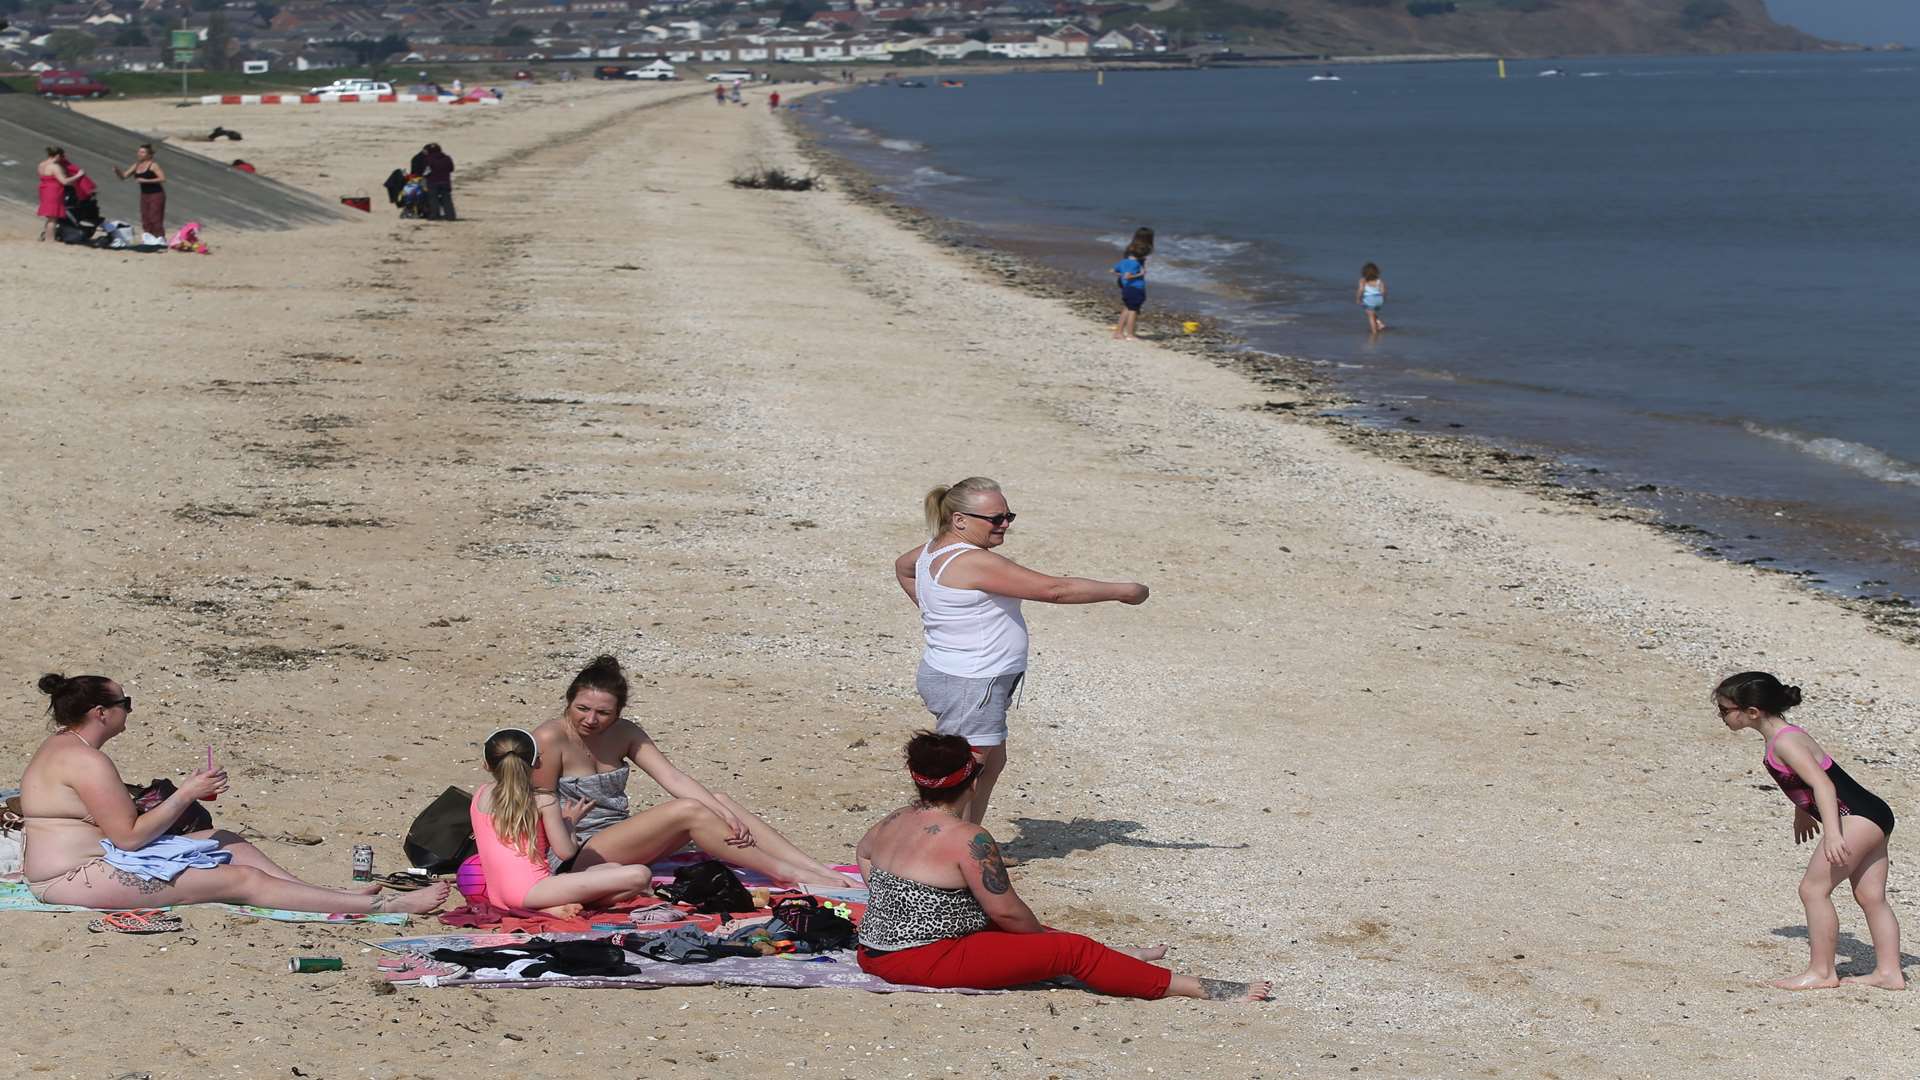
[
  {"x": 995, "y": 520},
  {"x": 124, "y": 703}
]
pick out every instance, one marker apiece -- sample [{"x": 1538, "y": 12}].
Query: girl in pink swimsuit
[
  {"x": 1853, "y": 824},
  {"x": 512, "y": 827}
]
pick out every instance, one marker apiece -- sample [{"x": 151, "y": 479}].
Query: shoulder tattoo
[{"x": 993, "y": 872}]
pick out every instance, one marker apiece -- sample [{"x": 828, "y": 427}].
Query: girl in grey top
[{"x": 586, "y": 752}]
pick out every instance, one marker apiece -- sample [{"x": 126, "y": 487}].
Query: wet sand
[{"x": 1436, "y": 756}]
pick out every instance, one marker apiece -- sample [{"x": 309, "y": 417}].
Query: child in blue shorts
[{"x": 1130, "y": 273}]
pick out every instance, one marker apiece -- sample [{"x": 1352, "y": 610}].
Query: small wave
[
  {"x": 925, "y": 176},
  {"x": 1859, "y": 457},
  {"x": 1196, "y": 248},
  {"x": 904, "y": 146}
]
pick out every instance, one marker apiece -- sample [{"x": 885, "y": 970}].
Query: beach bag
[
  {"x": 119, "y": 234},
  {"x": 710, "y": 887},
  {"x": 68, "y": 233},
  {"x": 147, "y": 799},
  {"x": 441, "y": 838},
  {"x": 821, "y": 929}
]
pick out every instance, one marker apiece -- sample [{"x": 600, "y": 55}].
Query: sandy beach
[{"x": 1436, "y": 757}]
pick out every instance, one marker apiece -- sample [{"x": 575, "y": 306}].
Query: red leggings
[{"x": 994, "y": 959}]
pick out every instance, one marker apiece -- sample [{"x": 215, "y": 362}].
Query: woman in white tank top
[{"x": 976, "y": 637}]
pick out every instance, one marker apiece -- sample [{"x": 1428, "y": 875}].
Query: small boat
[
  {"x": 952, "y": 84},
  {"x": 1328, "y": 77},
  {"x": 911, "y": 84},
  {"x": 1552, "y": 73}
]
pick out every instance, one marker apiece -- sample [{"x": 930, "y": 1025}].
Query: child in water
[
  {"x": 511, "y": 827},
  {"x": 1130, "y": 273},
  {"x": 1853, "y": 822},
  {"x": 1371, "y": 294}
]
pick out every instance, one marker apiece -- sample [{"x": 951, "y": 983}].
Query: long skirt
[{"x": 153, "y": 212}]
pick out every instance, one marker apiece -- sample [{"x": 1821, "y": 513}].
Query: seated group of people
[{"x": 555, "y": 832}]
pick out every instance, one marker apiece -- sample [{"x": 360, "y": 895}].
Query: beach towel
[
  {"x": 15, "y": 897},
  {"x": 826, "y": 970}
]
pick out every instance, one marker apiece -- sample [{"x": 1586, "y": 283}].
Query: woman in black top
[{"x": 153, "y": 191}]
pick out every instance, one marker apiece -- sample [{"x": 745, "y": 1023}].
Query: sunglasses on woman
[{"x": 995, "y": 520}]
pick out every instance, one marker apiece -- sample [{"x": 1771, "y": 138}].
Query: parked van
[{"x": 70, "y": 84}]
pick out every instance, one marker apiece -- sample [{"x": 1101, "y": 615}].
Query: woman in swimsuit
[
  {"x": 1371, "y": 294},
  {"x": 1853, "y": 824},
  {"x": 53, "y": 190},
  {"x": 512, "y": 826},
  {"x": 585, "y": 753},
  {"x": 942, "y": 911},
  {"x": 153, "y": 191},
  {"x": 72, "y": 799}
]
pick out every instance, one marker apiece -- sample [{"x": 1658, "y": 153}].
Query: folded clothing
[
  {"x": 166, "y": 858},
  {"x": 685, "y": 945}
]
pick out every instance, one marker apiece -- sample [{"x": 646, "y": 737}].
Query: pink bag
[{"x": 188, "y": 239}]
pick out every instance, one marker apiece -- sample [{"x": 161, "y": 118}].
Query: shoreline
[{"x": 1319, "y": 398}]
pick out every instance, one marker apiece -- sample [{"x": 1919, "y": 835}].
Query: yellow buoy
[
  {"x": 1503, "y": 69},
  {"x": 1100, "y": 77}
]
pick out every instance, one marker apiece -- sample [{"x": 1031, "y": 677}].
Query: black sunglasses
[
  {"x": 995, "y": 520},
  {"x": 124, "y": 703}
]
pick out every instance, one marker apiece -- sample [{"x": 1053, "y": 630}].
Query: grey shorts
[{"x": 974, "y": 709}]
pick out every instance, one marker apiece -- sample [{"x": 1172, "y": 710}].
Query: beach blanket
[
  {"x": 835, "y": 969},
  {"x": 15, "y": 897}
]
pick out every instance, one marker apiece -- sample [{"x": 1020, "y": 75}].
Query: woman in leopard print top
[{"x": 942, "y": 911}]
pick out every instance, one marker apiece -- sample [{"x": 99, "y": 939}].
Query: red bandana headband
[{"x": 953, "y": 779}]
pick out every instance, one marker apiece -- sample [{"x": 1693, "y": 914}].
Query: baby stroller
[
  {"x": 83, "y": 217},
  {"x": 413, "y": 199}
]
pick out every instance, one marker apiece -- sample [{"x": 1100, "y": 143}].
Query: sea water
[{"x": 1696, "y": 274}]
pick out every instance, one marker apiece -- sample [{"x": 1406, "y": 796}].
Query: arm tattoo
[
  {"x": 1223, "y": 990},
  {"x": 993, "y": 872}
]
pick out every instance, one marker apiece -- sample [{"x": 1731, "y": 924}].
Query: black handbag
[
  {"x": 441, "y": 838},
  {"x": 194, "y": 819},
  {"x": 710, "y": 887}
]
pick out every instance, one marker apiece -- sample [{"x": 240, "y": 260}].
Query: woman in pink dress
[{"x": 53, "y": 190}]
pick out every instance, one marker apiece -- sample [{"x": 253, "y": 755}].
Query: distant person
[
  {"x": 720, "y": 96},
  {"x": 437, "y": 176},
  {"x": 1853, "y": 824},
  {"x": 244, "y": 165},
  {"x": 976, "y": 637},
  {"x": 1130, "y": 273},
  {"x": 734, "y": 93},
  {"x": 942, "y": 910},
  {"x": 153, "y": 192},
  {"x": 1371, "y": 294},
  {"x": 773, "y": 101},
  {"x": 53, "y": 190}
]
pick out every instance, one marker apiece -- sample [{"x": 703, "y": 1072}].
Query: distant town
[{"x": 259, "y": 35}]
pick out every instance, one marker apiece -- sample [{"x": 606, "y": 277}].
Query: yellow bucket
[{"x": 1190, "y": 327}]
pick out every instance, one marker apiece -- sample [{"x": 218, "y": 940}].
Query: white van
[
  {"x": 731, "y": 75},
  {"x": 354, "y": 86}
]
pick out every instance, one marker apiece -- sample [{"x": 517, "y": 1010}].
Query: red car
[{"x": 70, "y": 84}]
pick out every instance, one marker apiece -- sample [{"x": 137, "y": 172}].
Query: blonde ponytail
[
  {"x": 515, "y": 818},
  {"x": 944, "y": 501}
]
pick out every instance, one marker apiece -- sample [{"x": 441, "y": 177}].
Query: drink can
[
  {"x": 307, "y": 965},
  {"x": 363, "y": 862}
]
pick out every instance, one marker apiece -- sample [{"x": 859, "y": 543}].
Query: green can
[{"x": 307, "y": 965}]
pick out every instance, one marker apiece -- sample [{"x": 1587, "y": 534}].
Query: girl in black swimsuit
[{"x": 1853, "y": 824}]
